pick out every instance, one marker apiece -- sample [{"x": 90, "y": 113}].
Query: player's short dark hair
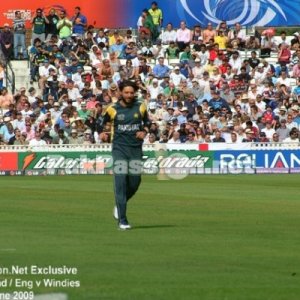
[{"x": 126, "y": 83}]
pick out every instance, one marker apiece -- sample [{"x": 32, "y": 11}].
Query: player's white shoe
[
  {"x": 124, "y": 226},
  {"x": 115, "y": 213}
]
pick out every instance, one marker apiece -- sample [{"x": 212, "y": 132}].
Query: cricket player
[{"x": 129, "y": 126}]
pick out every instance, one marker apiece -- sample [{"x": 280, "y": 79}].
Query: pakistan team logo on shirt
[
  {"x": 136, "y": 115},
  {"x": 121, "y": 117}
]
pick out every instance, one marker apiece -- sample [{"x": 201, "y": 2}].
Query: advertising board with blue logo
[{"x": 258, "y": 161}]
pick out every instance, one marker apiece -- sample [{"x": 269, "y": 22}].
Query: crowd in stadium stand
[{"x": 201, "y": 85}]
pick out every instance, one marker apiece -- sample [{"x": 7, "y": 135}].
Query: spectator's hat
[
  {"x": 260, "y": 65},
  {"x": 106, "y": 30},
  {"x": 174, "y": 120},
  {"x": 170, "y": 108},
  {"x": 155, "y": 80},
  {"x": 6, "y": 25},
  {"x": 248, "y": 130},
  {"x": 230, "y": 124},
  {"x": 139, "y": 52},
  {"x": 6, "y": 119},
  {"x": 74, "y": 130},
  {"x": 197, "y": 60},
  {"x": 295, "y": 107},
  {"x": 88, "y": 131},
  {"x": 113, "y": 87},
  {"x": 283, "y": 121},
  {"x": 184, "y": 109},
  {"x": 56, "y": 104},
  {"x": 83, "y": 103},
  {"x": 152, "y": 105},
  {"x": 62, "y": 60},
  {"x": 245, "y": 97},
  {"x": 283, "y": 108},
  {"x": 176, "y": 68},
  {"x": 296, "y": 34}
]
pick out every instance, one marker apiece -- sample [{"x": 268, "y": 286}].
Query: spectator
[
  {"x": 183, "y": 36},
  {"x": 6, "y": 42},
  {"x": 19, "y": 35},
  {"x": 156, "y": 15},
  {"x": 61, "y": 139},
  {"x": 39, "y": 21},
  {"x": 169, "y": 35},
  {"x": 51, "y": 27},
  {"x": 79, "y": 22},
  {"x": 64, "y": 26}
]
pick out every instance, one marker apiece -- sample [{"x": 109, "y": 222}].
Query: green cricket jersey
[{"x": 126, "y": 121}]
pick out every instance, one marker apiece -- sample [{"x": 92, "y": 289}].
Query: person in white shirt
[
  {"x": 55, "y": 112},
  {"x": 175, "y": 138},
  {"x": 283, "y": 79},
  {"x": 37, "y": 141},
  {"x": 19, "y": 122},
  {"x": 155, "y": 89},
  {"x": 203, "y": 55},
  {"x": 268, "y": 130},
  {"x": 198, "y": 69},
  {"x": 293, "y": 138},
  {"x": 169, "y": 35},
  {"x": 239, "y": 33},
  {"x": 259, "y": 74},
  {"x": 44, "y": 73},
  {"x": 176, "y": 76},
  {"x": 73, "y": 92},
  {"x": 235, "y": 62}
]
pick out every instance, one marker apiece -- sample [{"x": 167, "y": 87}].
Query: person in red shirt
[
  {"x": 223, "y": 67},
  {"x": 284, "y": 55}
]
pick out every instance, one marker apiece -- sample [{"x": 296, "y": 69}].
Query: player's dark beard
[{"x": 127, "y": 104}]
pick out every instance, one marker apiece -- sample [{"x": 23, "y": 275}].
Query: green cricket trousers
[{"x": 127, "y": 176}]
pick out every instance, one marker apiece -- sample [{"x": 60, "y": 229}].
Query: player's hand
[{"x": 140, "y": 135}]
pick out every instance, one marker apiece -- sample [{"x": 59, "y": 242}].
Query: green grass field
[{"x": 204, "y": 237}]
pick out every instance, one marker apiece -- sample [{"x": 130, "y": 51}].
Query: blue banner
[
  {"x": 245, "y": 12},
  {"x": 262, "y": 161}
]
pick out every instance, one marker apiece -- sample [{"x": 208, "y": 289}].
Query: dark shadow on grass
[{"x": 152, "y": 226}]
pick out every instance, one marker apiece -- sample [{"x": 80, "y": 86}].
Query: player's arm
[{"x": 145, "y": 122}]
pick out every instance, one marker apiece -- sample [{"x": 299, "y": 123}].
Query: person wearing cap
[
  {"x": 130, "y": 124},
  {"x": 44, "y": 73},
  {"x": 6, "y": 41},
  {"x": 249, "y": 136},
  {"x": 19, "y": 35},
  {"x": 182, "y": 118},
  {"x": 74, "y": 139},
  {"x": 216, "y": 102},
  {"x": 176, "y": 76},
  {"x": 64, "y": 26},
  {"x": 39, "y": 21}
]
